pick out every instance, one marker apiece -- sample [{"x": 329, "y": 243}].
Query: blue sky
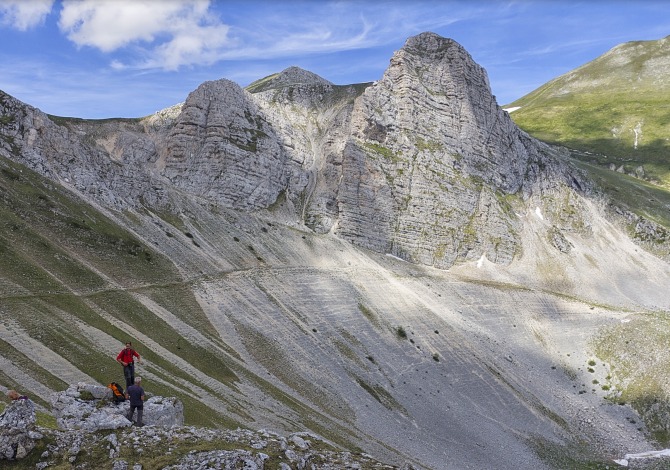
[{"x": 130, "y": 58}]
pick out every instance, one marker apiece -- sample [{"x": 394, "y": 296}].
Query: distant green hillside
[{"x": 616, "y": 107}]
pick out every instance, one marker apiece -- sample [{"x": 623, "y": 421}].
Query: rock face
[
  {"x": 18, "y": 433},
  {"x": 89, "y": 407},
  {"x": 420, "y": 164},
  {"x": 433, "y": 160},
  {"x": 311, "y": 117},
  {"x": 163, "y": 411},
  {"x": 222, "y": 149},
  {"x": 173, "y": 448}
]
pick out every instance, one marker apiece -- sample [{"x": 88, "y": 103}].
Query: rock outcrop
[
  {"x": 89, "y": 407},
  {"x": 18, "y": 432},
  {"x": 173, "y": 449},
  {"x": 84, "y": 409},
  {"x": 220, "y": 148}
]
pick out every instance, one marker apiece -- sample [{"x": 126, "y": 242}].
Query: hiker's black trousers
[
  {"x": 140, "y": 411},
  {"x": 129, "y": 374}
]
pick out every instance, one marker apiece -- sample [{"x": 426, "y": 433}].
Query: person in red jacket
[{"x": 127, "y": 359}]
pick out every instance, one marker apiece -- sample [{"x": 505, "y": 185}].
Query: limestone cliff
[
  {"x": 420, "y": 164},
  {"x": 223, "y": 150},
  {"x": 431, "y": 159}
]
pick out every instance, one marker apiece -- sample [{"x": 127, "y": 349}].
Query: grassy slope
[
  {"x": 63, "y": 261},
  {"x": 639, "y": 352},
  {"x": 598, "y": 106},
  {"x": 74, "y": 281},
  {"x": 597, "y": 109},
  {"x": 63, "y": 264}
]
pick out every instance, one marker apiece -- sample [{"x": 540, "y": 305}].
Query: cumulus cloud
[
  {"x": 23, "y": 14},
  {"x": 167, "y": 33}
]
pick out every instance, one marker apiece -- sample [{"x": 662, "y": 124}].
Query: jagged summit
[
  {"x": 448, "y": 55},
  {"x": 291, "y": 76},
  {"x": 430, "y": 43}
]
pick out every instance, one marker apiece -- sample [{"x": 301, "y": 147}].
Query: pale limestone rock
[
  {"x": 432, "y": 158},
  {"x": 311, "y": 117},
  {"x": 163, "y": 411},
  {"x": 18, "y": 433},
  {"x": 221, "y": 149},
  {"x": 88, "y": 407}
]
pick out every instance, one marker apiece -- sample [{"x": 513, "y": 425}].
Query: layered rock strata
[{"x": 421, "y": 164}]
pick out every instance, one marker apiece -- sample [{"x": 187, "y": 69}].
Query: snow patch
[
  {"x": 638, "y": 133},
  {"x": 538, "y": 213},
  {"x": 512, "y": 109},
  {"x": 643, "y": 455},
  {"x": 395, "y": 257}
]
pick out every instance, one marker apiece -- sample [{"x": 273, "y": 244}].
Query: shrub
[{"x": 400, "y": 331}]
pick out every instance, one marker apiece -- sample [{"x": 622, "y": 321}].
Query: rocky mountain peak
[
  {"x": 215, "y": 142},
  {"x": 429, "y": 55},
  {"x": 431, "y": 121},
  {"x": 297, "y": 76},
  {"x": 431, "y": 44},
  {"x": 292, "y": 76}
]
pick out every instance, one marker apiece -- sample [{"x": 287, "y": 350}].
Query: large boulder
[
  {"x": 87, "y": 407},
  {"x": 18, "y": 432},
  {"x": 90, "y": 407},
  {"x": 163, "y": 411}
]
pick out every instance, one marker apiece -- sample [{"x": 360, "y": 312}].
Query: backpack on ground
[{"x": 117, "y": 392}]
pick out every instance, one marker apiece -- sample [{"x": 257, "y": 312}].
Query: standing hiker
[
  {"x": 135, "y": 393},
  {"x": 126, "y": 359}
]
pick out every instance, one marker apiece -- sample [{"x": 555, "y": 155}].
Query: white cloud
[
  {"x": 168, "y": 33},
  {"x": 286, "y": 29},
  {"x": 24, "y": 14}
]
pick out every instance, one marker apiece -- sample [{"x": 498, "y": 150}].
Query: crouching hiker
[
  {"x": 14, "y": 395},
  {"x": 135, "y": 393}
]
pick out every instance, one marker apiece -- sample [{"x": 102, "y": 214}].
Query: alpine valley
[{"x": 394, "y": 266}]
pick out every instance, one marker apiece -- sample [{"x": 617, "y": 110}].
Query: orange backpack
[{"x": 117, "y": 392}]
